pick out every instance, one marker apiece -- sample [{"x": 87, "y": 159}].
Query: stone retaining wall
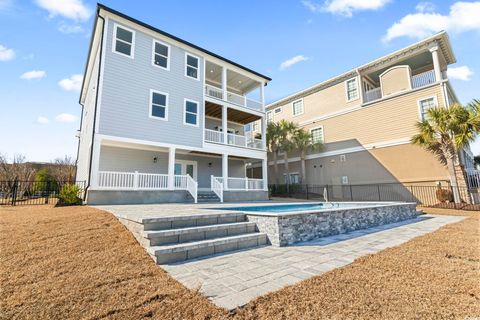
[{"x": 287, "y": 229}]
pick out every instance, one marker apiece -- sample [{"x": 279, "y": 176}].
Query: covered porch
[{"x": 168, "y": 174}]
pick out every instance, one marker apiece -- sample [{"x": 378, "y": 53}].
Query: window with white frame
[
  {"x": 426, "y": 104},
  {"x": 297, "y": 107},
  {"x": 269, "y": 116},
  {"x": 161, "y": 52},
  {"x": 352, "y": 89},
  {"x": 294, "y": 178},
  {"x": 191, "y": 112},
  {"x": 255, "y": 126},
  {"x": 191, "y": 66},
  {"x": 124, "y": 41},
  {"x": 158, "y": 105},
  {"x": 278, "y": 110},
  {"x": 317, "y": 135}
]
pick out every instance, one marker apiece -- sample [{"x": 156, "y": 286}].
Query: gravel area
[{"x": 80, "y": 263}]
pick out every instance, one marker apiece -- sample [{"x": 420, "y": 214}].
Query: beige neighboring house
[{"x": 365, "y": 117}]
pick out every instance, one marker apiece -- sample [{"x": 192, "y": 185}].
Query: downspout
[
  {"x": 78, "y": 145},
  {"x": 96, "y": 105}
]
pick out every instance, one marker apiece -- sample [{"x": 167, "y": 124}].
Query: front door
[{"x": 184, "y": 167}]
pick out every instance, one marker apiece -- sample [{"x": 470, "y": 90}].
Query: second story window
[
  {"x": 191, "y": 66},
  {"x": 352, "y": 89},
  {"x": 158, "y": 105},
  {"x": 317, "y": 135},
  {"x": 297, "y": 107},
  {"x": 161, "y": 52},
  {"x": 424, "y": 105},
  {"x": 191, "y": 112},
  {"x": 124, "y": 41},
  {"x": 269, "y": 116}
]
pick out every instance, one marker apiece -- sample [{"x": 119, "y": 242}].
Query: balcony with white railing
[
  {"x": 116, "y": 180},
  {"x": 240, "y": 184},
  {"x": 233, "y": 139},
  {"x": 233, "y": 98}
]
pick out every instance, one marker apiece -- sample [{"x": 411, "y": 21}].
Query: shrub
[
  {"x": 444, "y": 195},
  {"x": 70, "y": 195},
  {"x": 44, "y": 181}
]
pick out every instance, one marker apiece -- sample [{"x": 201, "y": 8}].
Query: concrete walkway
[{"x": 233, "y": 279}]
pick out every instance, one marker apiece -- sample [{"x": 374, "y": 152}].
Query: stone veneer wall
[{"x": 287, "y": 229}]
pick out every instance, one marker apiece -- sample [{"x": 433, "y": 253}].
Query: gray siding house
[{"x": 164, "y": 120}]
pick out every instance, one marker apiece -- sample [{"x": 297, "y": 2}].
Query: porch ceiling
[
  {"x": 215, "y": 110},
  {"x": 236, "y": 82}
]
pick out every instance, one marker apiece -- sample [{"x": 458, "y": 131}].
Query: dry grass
[{"x": 59, "y": 263}]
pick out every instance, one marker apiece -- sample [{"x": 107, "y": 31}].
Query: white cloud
[
  {"x": 6, "y": 54},
  {"x": 463, "y": 16},
  {"x": 34, "y": 74},
  {"x": 42, "y": 120},
  {"x": 290, "y": 62},
  {"x": 74, "y": 83},
  {"x": 344, "y": 8},
  {"x": 460, "y": 73},
  {"x": 65, "y": 28},
  {"x": 66, "y": 118},
  {"x": 72, "y": 9},
  {"x": 425, "y": 7}
]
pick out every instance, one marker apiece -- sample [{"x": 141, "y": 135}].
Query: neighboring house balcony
[
  {"x": 421, "y": 70},
  {"x": 236, "y": 122},
  {"x": 223, "y": 85}
]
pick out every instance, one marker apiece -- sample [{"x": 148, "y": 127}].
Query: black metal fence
[
  {"x": 431, "y": 196},
  {"x": 16, "y": 192}
]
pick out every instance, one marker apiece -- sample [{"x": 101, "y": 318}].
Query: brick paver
[{"x": 233, "y": 279}]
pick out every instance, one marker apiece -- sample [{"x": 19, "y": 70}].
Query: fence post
[
  {"x": 306, "y": 187},
  {"x": 378, "y": 189},
  {"x": 351, "y": 193},
  {"x": 14, "y": 191},
  {"x": 47, "y": 189}
]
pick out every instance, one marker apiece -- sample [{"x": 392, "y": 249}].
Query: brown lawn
[{"x": 79, "y": 262}]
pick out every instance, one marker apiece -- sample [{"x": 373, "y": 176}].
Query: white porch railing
[
  {"x": 236, "y": 99},
  {"x": 237, "y": 184},
  {"x": 473, "y": 178},
  {"x": 213, "y": 91},
  {"x": 374, "y": 94},
  {"x": 423, "y": 79},
  {"x": 217, "y": 187},
  {"x": 114, "y": 180},
  {"x": 213, "y": 136},
  {"x": 233, "y": 139},
  {"x": 253, "y": 104}
]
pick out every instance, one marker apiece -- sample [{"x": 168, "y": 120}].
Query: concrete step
[
  {"x": 184, "y": 251},
  {"x": 182, "y": 235},
  {"x": 185, "y": 221}
]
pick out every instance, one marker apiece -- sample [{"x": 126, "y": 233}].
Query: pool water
[{"x": 285, "y": 208}]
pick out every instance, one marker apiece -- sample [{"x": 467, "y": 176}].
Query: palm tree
[
  {"x": 273, "y": 144},
  {"x": 303, "y": 142},
  {"x": 287, "y": 130},
  {"x": 444, "y": 131}
]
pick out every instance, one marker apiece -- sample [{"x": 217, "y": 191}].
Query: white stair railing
[
  {"x": 192, "y": 187},
  {"x": 180, "y": 182},
  {"x": 217, "y": 187}
]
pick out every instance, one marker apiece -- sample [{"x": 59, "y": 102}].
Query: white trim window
[
  {"x": 297, "y": 107},
  {"x": 192, "y": 66},
  {"x": 278, "y": 110},
  {"x": 190, "y": 114},
  {"x": 124, "y": 41},
  {"x": 158, "y": 105},
  {"x": 269, "y": 116},
  {"x": 317, "y": 135},
  {"x": 255, "y": 126},
  {"x": 344, "y": 179},
  {"x": 294, "y": 177},
  {"x": 424, "y": 105},
  {"x": 160, "y": 55},
  {"x": 351, "y": 87}
]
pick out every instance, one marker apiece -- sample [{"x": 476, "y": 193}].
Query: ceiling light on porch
[
  {"x": 211, "y": 70},
  {"x": 239, "y": 81}
]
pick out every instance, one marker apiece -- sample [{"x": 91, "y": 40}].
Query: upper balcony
[{"x": 225, "y": 85}]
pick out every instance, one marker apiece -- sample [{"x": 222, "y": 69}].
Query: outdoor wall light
[
  {"x": 209, "y": 164},
  {"x": 155, "y": 159}
]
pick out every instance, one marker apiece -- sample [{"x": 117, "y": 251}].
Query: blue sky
[{"x": 44, "y": 43}]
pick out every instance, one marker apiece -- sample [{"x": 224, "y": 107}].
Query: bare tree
[
  {"x": 18, "y": 169},
  {"x": 63, "y": 169}
]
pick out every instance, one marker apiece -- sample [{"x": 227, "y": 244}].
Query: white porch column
[
  {"x": 224, "y": 83},
  {"x": 225, "y": 171},
  {"x": 263, "y": 123},
  {"x": 265, "y": 174},
  {"x": 436, "y": 62},
  {"x": 225, "y": 124},
  {"x": 171, "y": 169},
  {"x": 95, "y": 163},
  {"x": 262, "y": 95}
]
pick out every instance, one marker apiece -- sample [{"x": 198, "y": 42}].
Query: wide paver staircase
[
  {"x": 207, "y": 196},
  {"x": 183, "y": 237}
]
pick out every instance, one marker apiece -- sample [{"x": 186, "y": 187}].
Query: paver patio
[{"x": 233, "y": 279}]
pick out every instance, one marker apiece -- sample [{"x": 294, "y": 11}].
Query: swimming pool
[{"x": 302, "y": 207}]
